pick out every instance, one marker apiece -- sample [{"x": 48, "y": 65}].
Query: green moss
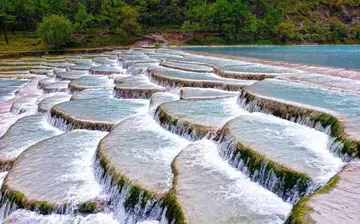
[
  {"x": 121, "y": 180},
  {"x": 300, "y": 213},
  {"x": 291, "y": 178},
  {"x": 89, "y": 207},
  {"x": 286, "y": 111}
]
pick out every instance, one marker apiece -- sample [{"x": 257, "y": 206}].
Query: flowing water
[{"x": 156, "y": 136}]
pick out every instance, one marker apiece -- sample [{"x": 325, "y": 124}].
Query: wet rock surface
[{"x": 153, "y": 165}]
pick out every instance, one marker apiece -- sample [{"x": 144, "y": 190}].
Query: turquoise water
[
  {"x": 9, "y": 86},
  {"x": 330, "y": 56}
]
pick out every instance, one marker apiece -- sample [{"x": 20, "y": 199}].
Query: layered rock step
[
  {"x": 139, "y": 151},
  {"x": 24, "y": 104},
  {"x": 90, "y": 82},
  {"x": 57, "y": 86},
  {"x": 325, "y": 81},
  {"x": 70, "y": 75},
  {"x": 56, "y": 175},
  {"x": 175, "y": 78},
  {"x": 135, "y": 87},
  {"x": 21, "y": 135},
  {"x": 204, "y": 93},
  {"x": 208, "y": 190},
  {"x": 82, "y": 67},
  {"x": 100, "y": 113},
  {"x": 337, "y": 203},
  {"x": 289, "y": 159},
  {"x": 293, "y": 100},
  {"x": 195, "y": 119},
  {"x": 191, "y": 67},
  {"x": 104, "y": 70},
  {"x": 92, "y": 93},
  {"x": 239, "y": 70},
  {"x": 48, "y": 102},
  {"x": 162, "y": 97}
]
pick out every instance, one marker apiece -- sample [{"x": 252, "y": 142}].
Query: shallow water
[
  {"x": 143, "y": 151},
  {"x": 211, "y": 191},
  {"x": 102, "y": 110},
  {"x": 9, "y": 86},
  {"x": 298, "y": 147},
  {"x": 212, "y": 113},
  {"x": 342, "y": 103},
  {"x": 53, "y": 171},
  {"x": 199, "y": 93},
  {"x": 23, "y": 134}
]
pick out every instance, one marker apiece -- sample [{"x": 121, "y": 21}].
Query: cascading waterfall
[
  {"x": 263, "y": 175},
  {"x": 129, "y": 204},
  {"x": 334, "y": 146}
]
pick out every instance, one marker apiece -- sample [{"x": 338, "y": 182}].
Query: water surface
[{"x": 330, "y": 56}]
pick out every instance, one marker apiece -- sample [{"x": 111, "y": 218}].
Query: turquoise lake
[{"x": 343, "y": 56}]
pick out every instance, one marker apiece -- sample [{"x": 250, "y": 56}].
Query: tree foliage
[
  {"x": 232, "y": 21},
  {"x": 56, "y": 31}
]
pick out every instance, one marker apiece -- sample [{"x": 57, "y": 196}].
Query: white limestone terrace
[
  {"x": 197, "y": 118},
  {"x": 286, "y": 144},
  {"x": 90, "y": 82},
  {"x": 48, "y": 102},
  {"x": 100, "y": 113},
  {"x": 345, "y": 105},
  {"x": 26, "y": 132},
  {"x": 210, "y": 191},
  {"x": 139, "y": 149},
  {"x": 52, "y": 174},
  {"x": 92, "y": 93},
  {"x": 138, "y": 86},
  {"x": 325, "y": 81},
  {"x": 205, "y": 93}
]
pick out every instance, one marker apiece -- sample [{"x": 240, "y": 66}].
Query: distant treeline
[{"x": 221, "y": 21}]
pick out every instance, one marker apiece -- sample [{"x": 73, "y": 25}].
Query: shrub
[{"x": 56, "y": 31}]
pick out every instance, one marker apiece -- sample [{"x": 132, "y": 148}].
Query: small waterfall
[
  {"x": 185, "y": 130},
  {"x": 335, "y": 146},
  {"x": 129, "y": 204},
  {"x": 287, "y": 186}
]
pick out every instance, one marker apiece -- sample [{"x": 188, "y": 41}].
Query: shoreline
[{"x": 332, "y": 71}]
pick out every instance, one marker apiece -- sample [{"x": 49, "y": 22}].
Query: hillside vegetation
[{"x": 93, "y": 23}]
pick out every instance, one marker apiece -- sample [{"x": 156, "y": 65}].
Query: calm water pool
[{"x": 331, "y": 56}]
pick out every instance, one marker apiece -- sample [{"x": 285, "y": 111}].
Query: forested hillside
[{"x": 92, "y": 22}]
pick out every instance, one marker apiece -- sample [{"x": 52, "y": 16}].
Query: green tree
[
  {"x": 56, "y": 31},
  {"x": 338, "y": 30},
  {"x": 5, "y": 17},
  {"x": 286, "y": 30},
  {"x": 82, "y": 17},
  {"x": 191, "y": 27},
  {"x": 129, "y": 20}
]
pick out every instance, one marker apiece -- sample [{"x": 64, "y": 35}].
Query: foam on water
[
  {"x": 205, "y": 179},
  {"x": 142, "y": 151},
  {"x": 23, "y": 216},
  {"x": 346, "y": 105},
  {"x": 23, "y": 134},
  {"x": 54, "y": 172},
  {"x": 205, "y": 116},
  {"x": 296, "y": 146},
  {"x": 8, "y": 87}
]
